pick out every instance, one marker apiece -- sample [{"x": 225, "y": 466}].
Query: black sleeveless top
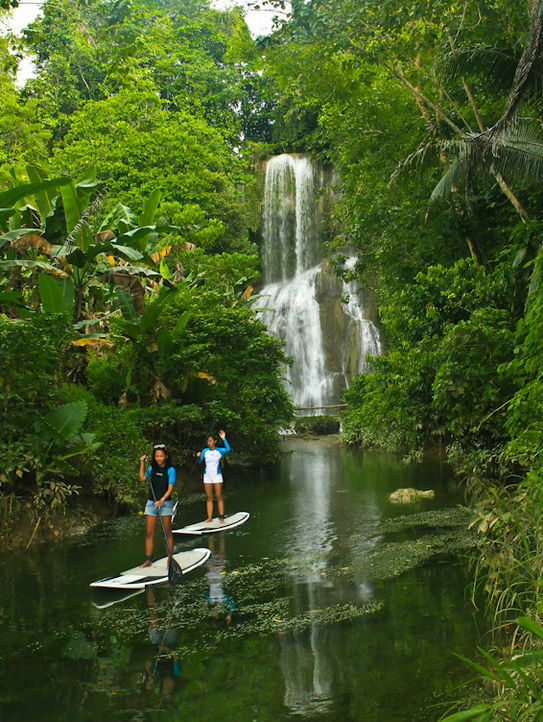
[{"x": 159, "y": 480}]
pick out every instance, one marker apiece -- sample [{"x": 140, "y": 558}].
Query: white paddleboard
[
  {"x": 103, "y": 598},
  {"x": 203, "y": 527},
  {"x": 141, "y": 577}
]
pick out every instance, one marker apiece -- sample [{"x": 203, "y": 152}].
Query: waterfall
[{"x": 327, "y": 337}]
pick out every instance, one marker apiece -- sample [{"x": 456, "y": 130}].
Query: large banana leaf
[
  {"x": 154, "y": 309},
  {"x": 51, "y": 294},
  {"x": 43, "y": 198},
  {"x": 24, "y": 263},
  {"x": 10, "y": 197},
  {"x": 121, "y": 217},
  {"x": 65, "y": 421},
  {"x": 126, "y": 304},
  {"x": 17, "y": 233},
  {"x": 5, "y": 214},
  {"x": 149, "y": 208}
]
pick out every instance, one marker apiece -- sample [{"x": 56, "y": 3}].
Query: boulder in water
[{"x": 410, "y": 495}]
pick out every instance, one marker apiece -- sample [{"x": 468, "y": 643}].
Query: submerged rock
[{"x": 410, "y": 495}]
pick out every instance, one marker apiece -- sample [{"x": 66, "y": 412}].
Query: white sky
[{"x": 258, "y": 21}]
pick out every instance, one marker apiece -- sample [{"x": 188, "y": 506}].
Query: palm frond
[
  {"x": 517, "y": 155},
  {"x": 425, "y": 157},
  {"x": 496, "y": 65},
  {"x": 452, "y": 178},
  {"x": 527, "y": 69}
]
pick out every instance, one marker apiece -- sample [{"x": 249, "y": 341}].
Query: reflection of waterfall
[
  {"x": 306, "y": 660},
  {"x": 327, "y": 337},
  {"x": 325, "y": 528}
]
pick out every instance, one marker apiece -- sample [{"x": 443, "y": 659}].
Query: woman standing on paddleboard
[
  {"x": 161, "y": 477},
  {"x": 212, "y": 455}
]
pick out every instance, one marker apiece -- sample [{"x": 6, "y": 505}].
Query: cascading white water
[
  {"x": 299, "y": 286},
  {"x": 295, "y": 316},
  {"x": 291, "y": 233}
]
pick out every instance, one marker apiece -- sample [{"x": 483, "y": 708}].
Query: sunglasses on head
[{"x": 159, "y": 446}]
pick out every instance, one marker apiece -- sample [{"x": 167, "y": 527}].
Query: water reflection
[
  {"x": 221, "y": 604},
  {"x": 318, "y": 537},
  {"x": 163, "y": 669}
]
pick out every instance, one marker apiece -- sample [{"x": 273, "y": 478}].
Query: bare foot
[
  {"x": 208, "y": 521},
  {"x": 146, "y": 563}
]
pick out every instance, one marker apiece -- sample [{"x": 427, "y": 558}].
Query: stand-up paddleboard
[
  {"x": 102, "y": 597},
  {"x": 203, "y": 527},
  {"x": 141, "y": 577}
]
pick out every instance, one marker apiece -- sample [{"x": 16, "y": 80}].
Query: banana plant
[
  {"x": 57, "y": 440},
  {"x": 46, "y": 226},
  {"x": 151, "y": 343},
  {"x": 157, "y": 348}
]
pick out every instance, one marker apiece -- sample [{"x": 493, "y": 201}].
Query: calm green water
[{"x": 299, "y": 645}]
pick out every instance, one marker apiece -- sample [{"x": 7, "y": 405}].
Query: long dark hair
[{"x": 168, "y": 461}]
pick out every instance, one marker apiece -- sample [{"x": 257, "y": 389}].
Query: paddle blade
[{"x": 175, "y": 573}]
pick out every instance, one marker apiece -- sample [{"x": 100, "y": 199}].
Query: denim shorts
[{"x": 165, "y": 510}]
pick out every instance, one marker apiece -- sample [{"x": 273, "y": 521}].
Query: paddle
[{"x": 175, "y": 573}]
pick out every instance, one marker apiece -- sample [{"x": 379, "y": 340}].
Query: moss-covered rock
[{"x": 317, "y": 425}]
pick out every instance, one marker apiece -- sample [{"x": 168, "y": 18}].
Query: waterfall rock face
[{"x": 320, "y": 317}]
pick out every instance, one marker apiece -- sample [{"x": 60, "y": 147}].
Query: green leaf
[
  {"x": 10, "y": 197},
  {"x": 5, "y": 214},
  {"x": 126, "y": 304},
  {"x": 77, "y": 258},
  {"x": 531, "y": 626},
  {"x": 149, "y": 208},
  {"x": 72, "y": 206},
  {"x": 25, "y": 263},
  {"x": 181, "y": 323},
  {"x": 68, "y": 291},
  {"x": 468, "y": 713},
  {"x": 163, "y": 341},
  {"x": 51, "y": 294},
  {"x": 66, "y": 420},
  {"x": 164, "y": 270},
  {"x": 154, "y": 309},
  {"x": 43, "y": 200}
]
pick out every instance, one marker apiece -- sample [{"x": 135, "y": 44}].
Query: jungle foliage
[
  {"x": 129, "y": 215},
  {"x": 126, "y": 262},
  {"x": 430, "y": 113}
]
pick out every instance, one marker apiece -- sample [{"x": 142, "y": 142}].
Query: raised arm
[
  {"x": 143, "y": 459},
  {"x": 226, "y": 448}
]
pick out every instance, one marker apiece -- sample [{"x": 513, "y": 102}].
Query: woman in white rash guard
[{"x": 212, "y": 455}]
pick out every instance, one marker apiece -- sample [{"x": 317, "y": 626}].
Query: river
[{"x": 313, "y": 634}]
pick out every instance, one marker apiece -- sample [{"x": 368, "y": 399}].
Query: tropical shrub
[{"x": 318, "y": 425}]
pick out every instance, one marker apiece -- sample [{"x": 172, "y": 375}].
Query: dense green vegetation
[
  {"x": 129, "y": 214},
  {"x": 431, "y": 114},
  {"x": 127, "y": 263}
]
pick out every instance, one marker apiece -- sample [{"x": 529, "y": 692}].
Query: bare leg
[
  {"x": 218, "y": 495},
  {"x": 150, "y": 524},
  {"x": 209, "y": 501},
  {"x": 167, "y": 521}
]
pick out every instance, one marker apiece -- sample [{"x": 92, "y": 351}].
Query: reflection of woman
[
  {"x": 163, "y": 671},
  {"x": 222, "y": 605}
]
